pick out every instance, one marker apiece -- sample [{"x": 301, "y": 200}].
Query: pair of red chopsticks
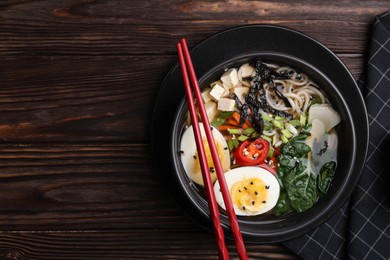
[{"x": 186, "y": 64}]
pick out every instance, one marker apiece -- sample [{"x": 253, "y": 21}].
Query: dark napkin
[{"x": 361, "y": 228}]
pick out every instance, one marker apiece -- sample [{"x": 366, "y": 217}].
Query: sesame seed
[{"x": 267, "y": 187}]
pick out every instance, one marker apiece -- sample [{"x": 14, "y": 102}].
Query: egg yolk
[
  {"x": 249, "y": 195},
  {"x": 209, "y": 156}
]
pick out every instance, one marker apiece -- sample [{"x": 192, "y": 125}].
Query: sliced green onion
[
  {"x": 235, "y": 142},
  {"x": 302, "y": 119},
  {"x": 280, "y": 118},
  {"x": 284, "y": 139},
  {"x": 286, "y": 133},
  {"x": 266, "y": 138},
  {"x": 242, "y": 138},
  {"x": 266, "y": 117},
  {"x": 267, "y": 127},
  {"x": 278, "y": 124},
  {"x": 230, "y": 144},
  {"x": 295, "y": 123},
  {"x": 234, "y": 131},
  {"x": 248, "y": 131},
  {"x": 274, "y": 140},
  {"x": 291, "y": 128},
  {"x": 270, "y": 152}
]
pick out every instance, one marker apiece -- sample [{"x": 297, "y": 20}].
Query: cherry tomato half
[{"x": 250, "y": 153}]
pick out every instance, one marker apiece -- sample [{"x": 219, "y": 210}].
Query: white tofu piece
[
  {"x": 211, "y": 109},
  {"x": 206, "y": 95},
  {"x": 241, "y": 93},
  {"x": 226, "y": 104},
  {"x": 230, "y": 78},
  {"x": 217, "y": 92}
]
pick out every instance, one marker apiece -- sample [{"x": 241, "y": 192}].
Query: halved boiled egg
[
  {"x": 253, "y": 190},
  {"x": 189, "y": 155}
]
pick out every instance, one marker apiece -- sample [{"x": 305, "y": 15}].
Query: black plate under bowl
[{"x": 282, "y": 46}]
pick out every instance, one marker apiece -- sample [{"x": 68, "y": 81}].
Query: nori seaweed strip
[
  {"x": 243, "y": 108},
  {"x": 251, "y": 97},
  {"x": 278, "y": 93},
  {"x": 256, "y": 97},
  {"x": 238, "y": 102},
  {"x": 258, "y": 123},
  {"x": 255, "y": 119},
  {"x": 248, "y": 78},
  {"x": 262, "y": 72},
  {"x": 278, "y": 112}
]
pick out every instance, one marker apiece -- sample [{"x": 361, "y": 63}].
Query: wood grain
[
  {"x": 104, "y": 186},
  {"x": 90, "y": 27},
  {"x": 96, "y": 202},
  {"x": 126, "y": 244}
]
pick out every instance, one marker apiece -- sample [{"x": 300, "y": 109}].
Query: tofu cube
[
  {"x": 217, "y": 92},
  {"x": 241, "y": 93},
  {"x": 230, "y": 78},
  {"x": 226, "y": 104},
  {"x": 211, "y": 109}
]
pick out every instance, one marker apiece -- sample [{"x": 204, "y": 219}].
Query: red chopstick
[
  {"x": 186, "y": 63},
  {"x": 213, "y": 206}
]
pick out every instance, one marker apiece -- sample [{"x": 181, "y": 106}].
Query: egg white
[
  {"x": 188, "y": 150},
  {"x": 239, "y": 174}
]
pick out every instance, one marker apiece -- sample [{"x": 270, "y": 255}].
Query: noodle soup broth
[{"x": 277, "y": 126}]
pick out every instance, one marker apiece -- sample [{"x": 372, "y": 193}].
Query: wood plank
[
  {"x": 82, "y": 187},
  {"x": 90, "y": 201},
  {"x": 126, "y": 244},
  {"x": 79, "y": 99},
  {"x": 123, "y": 28},
  {"x": 86, "y": 99}
]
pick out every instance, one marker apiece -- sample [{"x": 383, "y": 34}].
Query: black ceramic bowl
[{"x": 278, "y": 45}]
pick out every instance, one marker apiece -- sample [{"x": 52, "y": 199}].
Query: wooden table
[{"x": 78, "y": 82}]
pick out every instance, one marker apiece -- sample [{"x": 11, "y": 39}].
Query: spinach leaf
[
  {"x": 325, "y": 176},
  {"x": 295, "y": 148},
  {"x": 301, "y": 186},
  {"x": 297, "y": 177},
  {"x": 283, "y": 205},
  {"x": 301, "y": 181},
  {"x": 287, "y": 161}
]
